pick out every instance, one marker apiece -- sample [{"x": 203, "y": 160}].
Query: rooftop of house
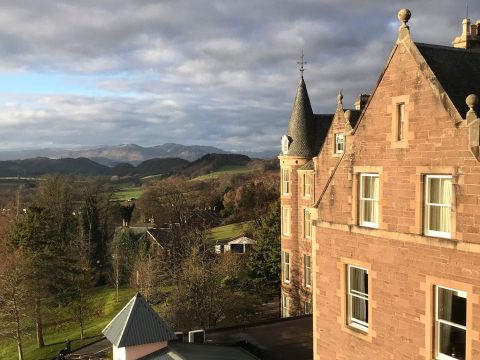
[
  {"x": 184, "y": 351},
  {"x": 306, "y": 130},
  {"x": 137, "y": 324},
  {"x": 456, "y": 69}
]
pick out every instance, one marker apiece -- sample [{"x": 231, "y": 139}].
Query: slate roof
[
  {"x": 306, "y": 130},
  {"x": 308, "y": 166},
  {"x": 457, "y": 70},
  {"x": 137, "y": 324},
  {"x": 242, "y": 240},
  {"x": 354, "y": 116},
  {"x": 183, "y": 351}
]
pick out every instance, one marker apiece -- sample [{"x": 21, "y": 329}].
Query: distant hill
[
  {"x": 41, "y": 166},
  {"x": 129, "y": 153},
  {"x": 85, "y": 167},
  {"x": 112, "y": 155},
  {"x": 160, "y": 166},
  {"x": 212, "y": 162}
]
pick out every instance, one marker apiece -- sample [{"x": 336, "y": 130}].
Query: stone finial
[
  {"x": 340, "y": 98},
  {"x": 348, "y": 115},
  {"x": 471, "y": 101},
  {"x": 404, "y": 31},
  {"x": 404, "y": 15}
]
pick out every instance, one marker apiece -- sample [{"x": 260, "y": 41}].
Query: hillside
[
  {"x": 41, "y": 166},
  {"x": 85, "y": 167},
  {"x": 212, "y": 162},
  {"x": 112, "y": 155}
]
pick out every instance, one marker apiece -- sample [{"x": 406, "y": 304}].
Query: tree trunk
[
  {"x": 38, "y": 323},
  {"x": 81, "y": 329},
  {"x": 17, "y": 330}
]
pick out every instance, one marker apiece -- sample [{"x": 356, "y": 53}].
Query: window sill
[
  {"x": 369, "y": 225},
  {"x": 358, "y": 328},
  {"x": 438, "y": 234}
]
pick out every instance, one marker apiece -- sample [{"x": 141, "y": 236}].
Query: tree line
[{"x": 67, "y": 241}]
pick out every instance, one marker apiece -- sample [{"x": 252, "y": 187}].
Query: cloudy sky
[{"x": 212, "y": 72}]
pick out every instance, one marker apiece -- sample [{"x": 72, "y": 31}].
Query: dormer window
[
  {"x": 285, "y": 144},
  {"x": 339, "y": 143},
  {"x": 400, "y": 121}
]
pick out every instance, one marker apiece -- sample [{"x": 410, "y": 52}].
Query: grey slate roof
[
  {"x": 137, "y": 324},
  {"x": 308, "y": 166},
  {"x": 354, "y": 116},
  {"x": 306, "y": 130},
  {"x": 457, "y": 70},
  {"x": 182, "y": 351}
]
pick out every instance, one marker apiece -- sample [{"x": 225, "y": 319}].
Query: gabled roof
[
  {"x": 137, "y": 324},
  {"x": 456, "y": 69},
  {"x": 241, "y": 240}
]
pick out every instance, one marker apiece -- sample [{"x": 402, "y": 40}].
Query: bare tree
[{"x": 12, "y": 296}]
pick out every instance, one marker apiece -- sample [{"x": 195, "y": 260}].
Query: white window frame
[
  {"x": 361, "y": 200},
  {"x": 438, "y": 321},
  {"x": 307, "y": 270},
  {"x": 285, "y": 180},
  {"x": 427, "y": 205},
  {"x": 285, "y": 306},
  {"x": 400, "y": 109},
  {"x": 307, "y": 185},
  {"x": 355, "y": 323},
  {"x": 286, "y": 267},
  {"x": 307, "y": 224},
  {"x": 339, "y": 143},
  {"x": 285, "y": 221}
]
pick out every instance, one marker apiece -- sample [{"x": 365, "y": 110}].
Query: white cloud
[{"x": 208, "y": 72}]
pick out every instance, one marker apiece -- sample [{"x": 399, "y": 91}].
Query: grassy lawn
[
  {"x": 225, "y": 170},
  {"x": 227, "y": 232},
  {"x": 127, "y": 192},
  {"x": 57, "y": 331}
]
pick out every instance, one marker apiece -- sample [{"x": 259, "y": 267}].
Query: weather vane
[{"x": 301, "y": 63}]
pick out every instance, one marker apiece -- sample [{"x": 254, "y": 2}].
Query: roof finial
[
  {"x": 403, "y": 15},
  {"x": 340, "y": 98},
  {"x": 466, "y": 9},
  {"x": 301, "y": 63},
  {"x": 472, "y": 101}
]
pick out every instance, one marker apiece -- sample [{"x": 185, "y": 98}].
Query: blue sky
[{"x": 220, "y": 73}]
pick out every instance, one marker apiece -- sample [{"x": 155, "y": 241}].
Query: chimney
[
  {"x": 470, "y": 37},
  {"x": 361, "y": 101}
]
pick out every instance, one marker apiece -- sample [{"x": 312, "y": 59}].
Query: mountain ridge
[{"x": 127, "y": 153}]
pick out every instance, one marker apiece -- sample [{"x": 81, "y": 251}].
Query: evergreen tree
[{"x": 264, "y": 262}]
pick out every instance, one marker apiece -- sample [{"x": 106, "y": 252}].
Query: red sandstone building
[{"x": 381, "y": 209}]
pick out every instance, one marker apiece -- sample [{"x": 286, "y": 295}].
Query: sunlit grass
[
  {"x": 227, "y": 232},
  {"x": 104, "y": 308},
  {"x": 224, "y": 170}
]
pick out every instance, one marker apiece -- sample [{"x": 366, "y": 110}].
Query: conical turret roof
[{"x": 301, "y": 128}]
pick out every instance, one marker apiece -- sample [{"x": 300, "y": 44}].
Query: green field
[
  {"x": 127, "y": 192},
  {"x": 224, "y": 170},
  {"x": 61, "y": 327},
  {"x": 227, "y": 232}
]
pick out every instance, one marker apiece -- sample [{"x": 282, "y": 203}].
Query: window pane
[
  {"x": 451, "y": 306},
  {"x": 439, "y": 218},
  {"x": 359, "y": 309},
  {"x": 452, "y": 341},
  {"x": 369, "y": 211},
  {"x": 359, "y": 280},
  {"x": 370, "y": 187},
  {"x": 439, "y": 191}
]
